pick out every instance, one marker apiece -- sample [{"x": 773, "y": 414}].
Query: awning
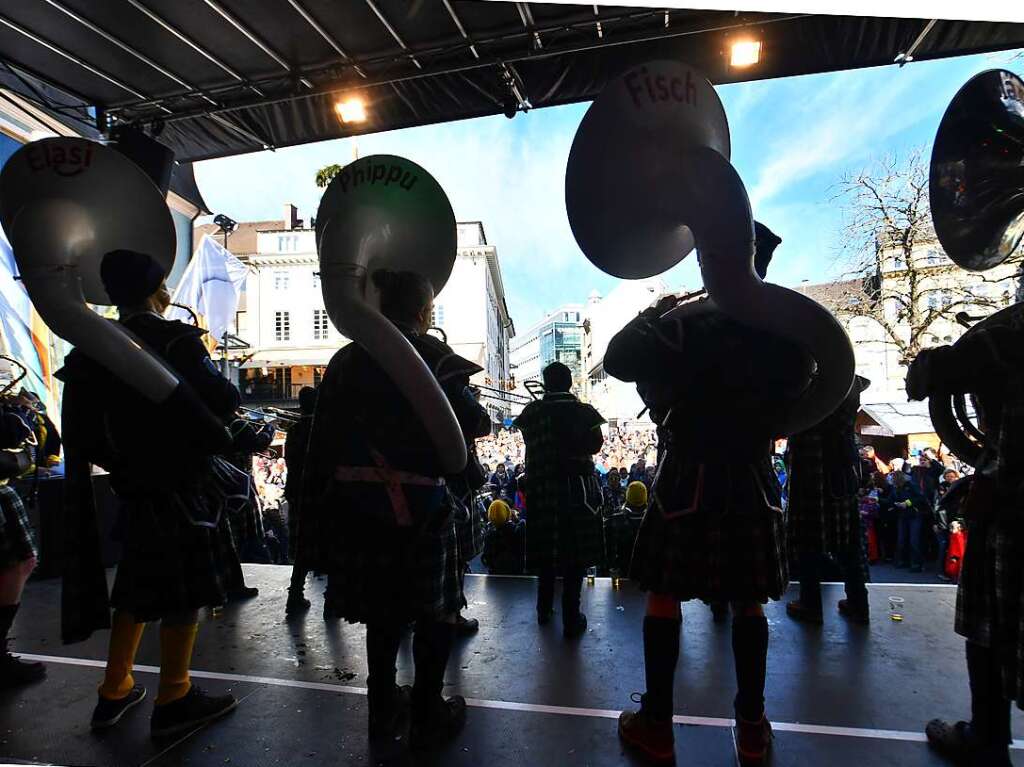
[
  {"x": 220, "y": 77},
  {"x": 897, "y": 419},
  {"x": 270, "y": 360}
]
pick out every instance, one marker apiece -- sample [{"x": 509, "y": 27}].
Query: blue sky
[{"x": 792, "y": 140}]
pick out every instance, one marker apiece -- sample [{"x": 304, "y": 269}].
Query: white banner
[
  {"x": 211, "y": 286},
  {"x": 980, "y": 10}
]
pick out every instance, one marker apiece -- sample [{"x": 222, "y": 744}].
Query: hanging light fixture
[
  {"x": 745, "y": 52},
  {"x": 351, "y": 110}
]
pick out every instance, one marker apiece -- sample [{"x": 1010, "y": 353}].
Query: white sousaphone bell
[
  {"x": 649, "y": 180},
  {"x": 64, "y": 204},
  {"x": 386, "y": 212}
]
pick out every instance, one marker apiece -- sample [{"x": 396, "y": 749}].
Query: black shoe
[
  {"x": 387, "y": 727},
  {"x": 956, "y": 742},
  {"x": 466, "y": 627},
  {"x": 297, "y": 605},
  {"x": 799, "y": 612},
  {"x": 854, "y": 613},
  {"x": 720, "y": 611},
  {"x": 574, "y": 629},
  {"x": 109, "y": 712},
  {"x": 15, "y": 672},
  {"x": 442, "y": 722},
  {"x": 243, "y": 592},
  {"x": 544, "y": 616},
  {"x": 195, "y": 709}
]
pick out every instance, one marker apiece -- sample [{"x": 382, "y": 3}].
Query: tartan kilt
[
  {"x": 823, "y": 514},
  {"x": 17, "y": 541},
  {"x": 385, "y": 574},
  {"x": 729, "y": 542},
  {"x": 170, "y": 564},
  {"x": 470, "y": 521},
  {"x": 990, "y": 597},
  {"x": 564, "y": 528}
]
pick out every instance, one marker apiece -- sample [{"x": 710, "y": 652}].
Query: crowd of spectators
[
  {"x": 905, "y": 523},
  {"x": 907, "y": 515}
]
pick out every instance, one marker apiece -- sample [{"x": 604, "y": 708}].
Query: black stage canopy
[{"x": 219, "y": 77}]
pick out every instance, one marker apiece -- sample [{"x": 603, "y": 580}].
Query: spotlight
[
  {"x": 510, "y": 105},
  {"x": 351, "y": 110},
  {"x": 224, "y": 223},
  {"x": 745, "y": 53}
]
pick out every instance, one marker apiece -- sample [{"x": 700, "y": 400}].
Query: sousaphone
[{"x": 976, "y": 189}]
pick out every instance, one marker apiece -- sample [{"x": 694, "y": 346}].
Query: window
[
  {"x": 287, "y": 243},
  {"x": 280, "y": 280},
  {"x": 933, "y": 257},
  {"x": 437, "y": 316},
  {"x": 282, "y": 326},
  {"x": 316, "y": 280},
  {"x": 320, "y": 325}
]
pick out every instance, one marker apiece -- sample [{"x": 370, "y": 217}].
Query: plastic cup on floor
[{"x": 897, "y": 608}]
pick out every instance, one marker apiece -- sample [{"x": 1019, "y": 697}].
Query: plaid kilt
[
  {"x": 564, "y": 529},
  {"x": 171, "y": 564},
  {"x": 990, "y": 597},
  {"x": 713, "y": 532},
  {"x": 470, "y": 521},
  {"x": 17, "y": 542},
  {"x": 405, "y": 573}
]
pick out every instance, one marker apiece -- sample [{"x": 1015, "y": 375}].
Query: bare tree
[{"x": 894, "y": 270}]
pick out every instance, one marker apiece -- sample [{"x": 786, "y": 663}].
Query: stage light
[
  {"x": 745, "y": 53},
  {"x": 351, "y": 110}
]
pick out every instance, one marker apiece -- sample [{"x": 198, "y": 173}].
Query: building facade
[
  {"x": 605, "y": 316},
  {"x": 291, "y": 340},
  {"x": 558, "y": 337},
  {"x": 939, "y": 290}
]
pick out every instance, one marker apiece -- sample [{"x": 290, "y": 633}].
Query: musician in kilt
[
  {"x": 824, "y": 511},
  {"x": 469, "y": 523},
  {"x": 990, "y": 598},
  {"x": 378, "y": 516},
  {"x": 563, "y": 535},
  {"x": 295, "y": 446},
  {"x": 17, "y": 544},
  {"x": 714, "y": 527},
  {"x": 171, "y": 494}
]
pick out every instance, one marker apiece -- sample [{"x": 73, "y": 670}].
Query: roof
[
  {"x": 221, "y": 77},
  {"x": 832, "y": 294},
  {"x": 242, "y": 241},
  {"x": 889, "y": 419}
]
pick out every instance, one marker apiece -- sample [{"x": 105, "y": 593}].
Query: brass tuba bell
[{"x": 976, "y": 189}]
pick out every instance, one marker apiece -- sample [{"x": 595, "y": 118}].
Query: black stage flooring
[{"x": 839, "y": 695}]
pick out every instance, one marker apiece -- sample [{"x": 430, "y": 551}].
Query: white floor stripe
[
  {"x": 534, "y": 708},
  {"x": 936, "y": 585}
]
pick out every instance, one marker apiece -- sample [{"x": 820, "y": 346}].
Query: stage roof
[{"x": 219, "y": 77}]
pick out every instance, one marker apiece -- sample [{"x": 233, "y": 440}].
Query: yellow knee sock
[
  {"x": 125, "y": 635},
  {"x": 176, "y": 644}
]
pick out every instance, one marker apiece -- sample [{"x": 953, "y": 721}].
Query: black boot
[
  {"x": 545, "y": 597},
  {"x": 985, "y": 740},
  {"x": 384, "y": 699},
  {"x": 649, "y": 730},
  {"x": 574, "y": 623},
  {"x": 297, "y": 602},
  {"x": 14, "y": 671},
  {"x": 435, "y": 719}
]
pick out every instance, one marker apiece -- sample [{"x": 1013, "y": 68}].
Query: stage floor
[{"x": 839, "y": 695}]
